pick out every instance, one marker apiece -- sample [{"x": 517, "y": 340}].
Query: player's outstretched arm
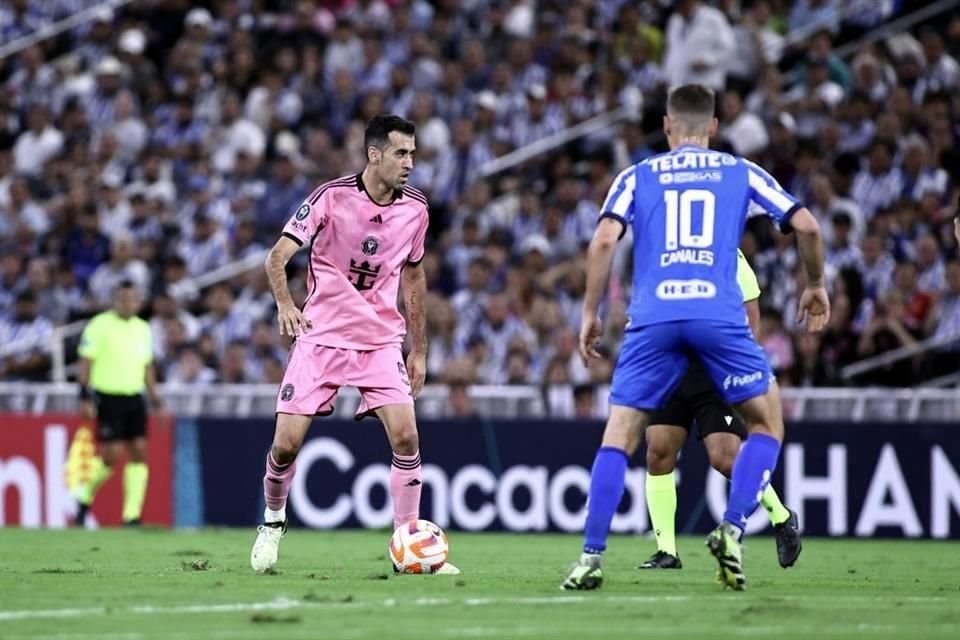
[
  {"x": 814, "y": 305},
  {"x": 289, "y": 318},
  {"x": 599, "y": 260},
  {"x": 414, "y": 284}
]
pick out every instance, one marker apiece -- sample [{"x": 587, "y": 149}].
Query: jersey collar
[{"x": 397, "y": 193}]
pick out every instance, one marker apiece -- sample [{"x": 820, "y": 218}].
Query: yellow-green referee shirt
[
  {"x": 747, "y": 279},
  {"x": 119, "y": 350}
]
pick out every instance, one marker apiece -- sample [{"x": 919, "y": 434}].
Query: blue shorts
[{"x": 653, "y": 360}]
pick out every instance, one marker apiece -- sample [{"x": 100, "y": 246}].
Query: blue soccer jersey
[{"x": 687, "y": 209}]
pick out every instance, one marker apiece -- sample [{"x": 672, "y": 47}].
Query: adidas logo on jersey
[{"x": 377, "y": 218}]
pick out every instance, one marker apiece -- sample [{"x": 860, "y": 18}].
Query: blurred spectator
[
  {"x": 121, "y": 267},
  {"x": 880, "y": 183},
  {"x": 225, "y": 322},
  {"x": 26, "y": 325},
  {"x": 38, "y": 144},
  {"x": 744, "y": 131},
  {"x": 944, "y": 323},
  {"x": 886, "y": 331},
  {"x": 699, "y": 47},
  {"x": 188, "y": 369}
]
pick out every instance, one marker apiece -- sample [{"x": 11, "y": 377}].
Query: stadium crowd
[{"x": 163, "y": 141}]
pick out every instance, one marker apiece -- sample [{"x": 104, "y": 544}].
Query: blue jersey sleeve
[
  {"x": 767, "y": 196},
  {"x": 619, "y": 202}
]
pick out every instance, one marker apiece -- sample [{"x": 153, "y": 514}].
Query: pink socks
[
  {"x": 276, "y": 483},
  {"x": 405, "y": 486}
]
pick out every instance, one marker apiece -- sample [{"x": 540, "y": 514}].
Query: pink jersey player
[{"x": 365, "y": 234}]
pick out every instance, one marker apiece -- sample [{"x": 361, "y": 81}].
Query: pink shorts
[{"x": 315, "y": 373}]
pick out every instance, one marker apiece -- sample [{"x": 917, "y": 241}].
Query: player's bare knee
[
  {"x": 405, "y": 441},
  {"x": 137, "y": 452},
  {"x": 661, "y": 459},
  {"x": 721, "y": 459},
  {"x": 108, "y": 456},
  {"x": 285, "y": 450}
]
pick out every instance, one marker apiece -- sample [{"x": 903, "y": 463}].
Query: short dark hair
[
  {"x": 124, "y": 285},
  {"x": 377, "y": 133},
  {"x": 692, "y": 104}
]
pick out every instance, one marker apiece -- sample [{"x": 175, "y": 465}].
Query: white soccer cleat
[
  {"x": 266, "y": 548},
  {"x": 447, "y": 570}
]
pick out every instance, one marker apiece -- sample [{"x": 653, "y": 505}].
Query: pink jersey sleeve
[
  {"x": 309, "y": 218},
  {"x": 417, "y": 249}
]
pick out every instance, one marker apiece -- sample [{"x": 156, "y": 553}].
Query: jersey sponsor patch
[
  {"x": 742, "y": 381},
  {"x": 686, "y": 289}
]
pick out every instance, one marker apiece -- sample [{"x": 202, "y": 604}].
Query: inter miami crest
[
  {"x": 369, "y": 246},
  {"x": 286, "y": 393}
]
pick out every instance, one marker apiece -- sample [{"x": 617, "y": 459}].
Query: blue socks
[
  {"x": 751, "y": 475},
  {"x": 606, "y": 490}
]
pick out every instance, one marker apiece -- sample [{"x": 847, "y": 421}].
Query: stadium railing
[
  {"x": 52, "y": 30},
  {"x": 493, "y": 401},
  {"x": 902, "y": 353}
]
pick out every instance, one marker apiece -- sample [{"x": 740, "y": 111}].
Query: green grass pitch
[{"x": 132, "y": 585}]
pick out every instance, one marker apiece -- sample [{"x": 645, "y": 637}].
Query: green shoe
[
  {"x": 725, "y": 547},
  {"x": 585, "y": 575}
]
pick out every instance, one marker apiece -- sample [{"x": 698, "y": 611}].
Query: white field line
[
  {"x": 676, "y": 629},
  {"x": 284, "y": 604}
]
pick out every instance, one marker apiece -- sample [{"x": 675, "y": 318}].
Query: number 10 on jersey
[{"x": 679, "y": 218}]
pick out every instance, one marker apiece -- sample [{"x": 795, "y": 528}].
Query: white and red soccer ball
[{"x": 419, "y": 546}]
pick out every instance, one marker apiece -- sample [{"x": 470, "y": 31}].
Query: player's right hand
[
  {"x": 88, "y": 410},
  {"x": 291, "y": 321},
  {"x": 590, "y": 330},
  {"x": 814, "y": 307}
]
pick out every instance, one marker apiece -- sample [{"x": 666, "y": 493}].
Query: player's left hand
[
  {"x": 416, "y": 371},
  {"x": 590, "y": 331},
  {"x": 956, "y": 227},
  {"x": 814, "y": 307}
]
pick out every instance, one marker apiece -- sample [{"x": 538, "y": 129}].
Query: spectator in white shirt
[
  {"x": 826, "y": 203},
  {"x": 122, "y": 267},
  {"x": 744, "y": 131},
  {"x": 38, "y": 144},
  {"x": 941, "y": 73},
  {"x": 814, "y": 101},
  {"x": 699, "y": 45},
  {"x": 758, "y": 44},
  {"x": 234, "y": 135},
  {"x": 919, "y": 176},
  {"x": 24, "y": 214}
]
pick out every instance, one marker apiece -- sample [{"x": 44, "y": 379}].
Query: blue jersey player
[{"x": 688, "y": 208}]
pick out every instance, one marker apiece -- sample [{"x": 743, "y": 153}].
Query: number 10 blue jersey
[{"x": 687, "y": 209}]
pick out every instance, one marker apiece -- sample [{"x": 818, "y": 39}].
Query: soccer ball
[{"x": 418, "y": 546}]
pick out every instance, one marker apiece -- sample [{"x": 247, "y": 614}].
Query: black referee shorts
[
  {"x": 120, "y": 417},
  {"x": 696, "y": 400}
]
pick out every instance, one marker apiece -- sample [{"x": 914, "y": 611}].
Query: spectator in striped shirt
[
  {"x": 878, "y": 185},
  {"x": 840, "y": 252},
  {"x": 26, "y": 324}
]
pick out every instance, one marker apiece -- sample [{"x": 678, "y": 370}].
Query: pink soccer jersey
[{"x": 357, "y": 250}]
